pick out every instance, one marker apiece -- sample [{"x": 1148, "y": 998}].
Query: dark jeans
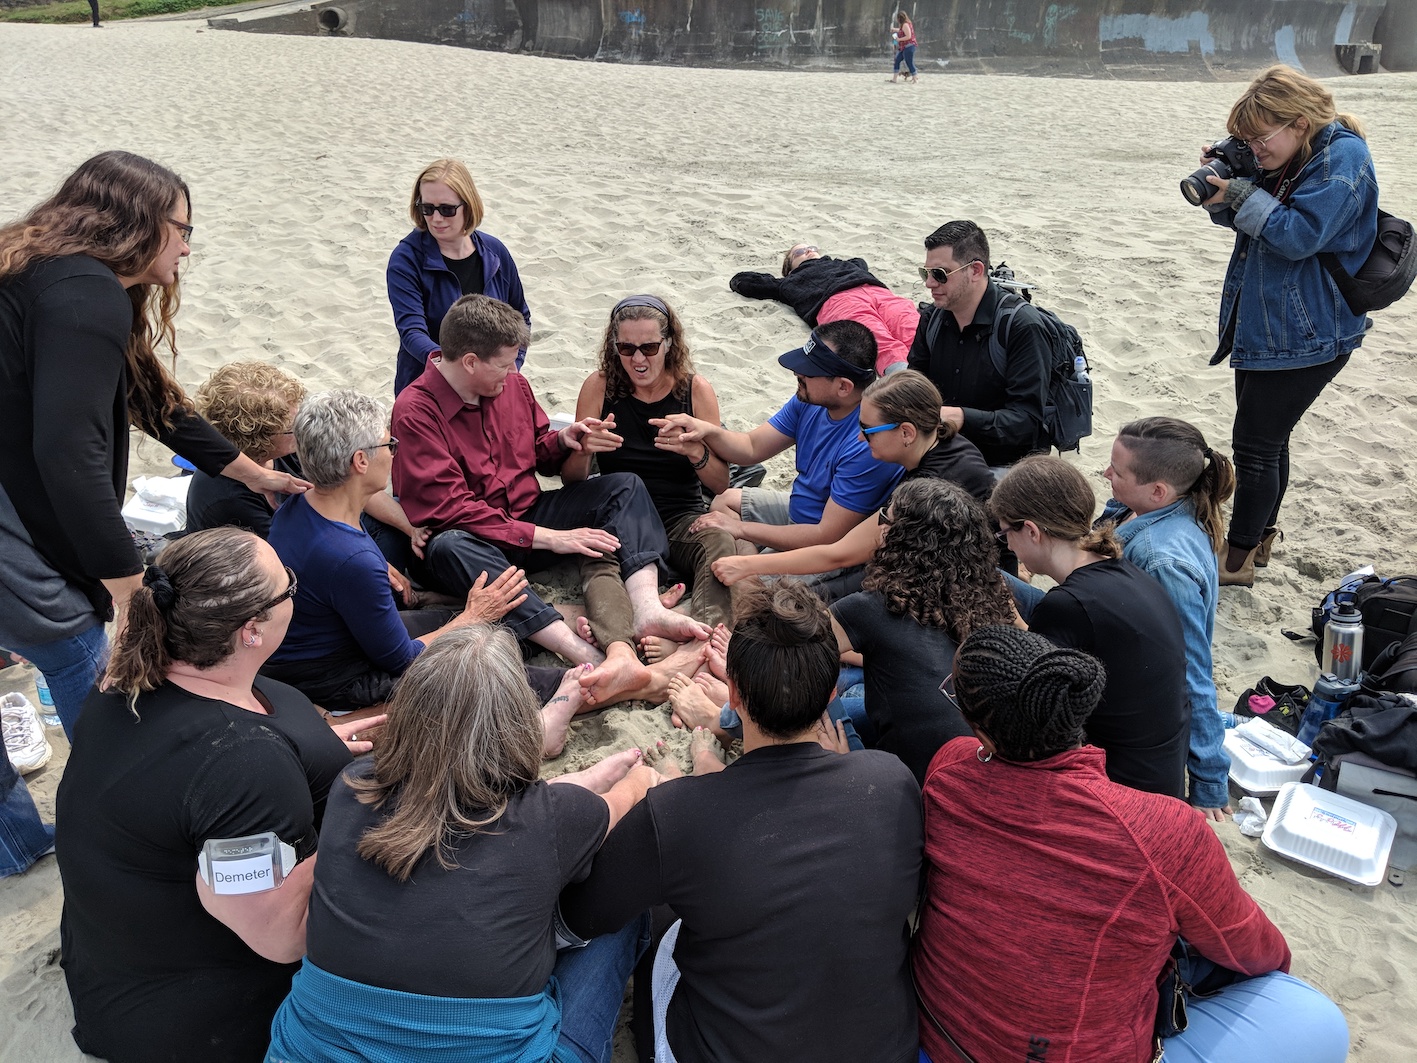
[
  {"x": 616, "y": 502},
  {"x": 70, "y": 666},
  {"x": 1268, "y": 404},
  {"x": 592, "y": 981},
  {"x": 23, "y": 836}
]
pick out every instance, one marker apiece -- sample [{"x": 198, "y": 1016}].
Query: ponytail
[{"x": 1174, "y": 452}]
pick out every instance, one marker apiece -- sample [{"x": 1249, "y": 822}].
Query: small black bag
[
  {"x": 1386, "y": 274},
  {"x": 1388, "y": 607},
  {"x": 1187, "y": 974}
]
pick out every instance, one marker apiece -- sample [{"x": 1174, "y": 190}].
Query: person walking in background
[
  {"x": 1283, "y": 324},
  {"x": 904, "y": 37}
]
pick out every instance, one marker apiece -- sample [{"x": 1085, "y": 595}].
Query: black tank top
[{"x": 672, "y": 482}]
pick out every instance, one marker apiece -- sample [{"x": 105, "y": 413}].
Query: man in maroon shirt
[{"x": 471, "y": 440}]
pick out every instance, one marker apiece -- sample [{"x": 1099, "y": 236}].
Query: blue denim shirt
[
  {"x": 422, "y": 287},
  {"x": 1171, "y": 545},
  {"x": 1290, "y": 312}
]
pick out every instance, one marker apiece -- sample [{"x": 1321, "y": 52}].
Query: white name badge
[{"x": 253, "y": 864}]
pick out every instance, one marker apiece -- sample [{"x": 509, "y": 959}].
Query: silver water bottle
[{"x": 1343, "y": 643}]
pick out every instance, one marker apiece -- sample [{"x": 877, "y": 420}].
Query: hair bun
[{"x": 164, "y": 593}]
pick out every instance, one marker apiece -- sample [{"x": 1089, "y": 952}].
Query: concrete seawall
[{"x": 1209, "y": 39}]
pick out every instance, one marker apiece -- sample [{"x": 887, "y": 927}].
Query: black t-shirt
[
  {"x": 219, "y": 502},
  {"x": 905, "y": 663},
  {"x": 481, "y": 930},
  {"x": 794, "y": 872},
  {"x": 670, "y": 478},
  {"x": 1123, "y": 617},
  {"x": 152, "y": 976},
  {"x": 1003, "y": 414},
  {"x": 468, "y": 271},
  {"x": 959, "y": 461}
]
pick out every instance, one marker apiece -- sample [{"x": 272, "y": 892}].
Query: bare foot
[
  {"x": 617, "y": 679},
  {"x": 715, "y": 688},
  {"x": 556, "y": 714},
  {"x": 656, "y": 648},
  {"x": 599, "y": 778},
  {"x": 705, "y": 751},
  {"x": 718, "y": 653},
  {"x": 584, "y": 630},
  {"x": 672, "y": 597},
  {"x": 691, "y": 707},
  {"x": 671, "y": 625},
  {"x": 685, "y": 660}
]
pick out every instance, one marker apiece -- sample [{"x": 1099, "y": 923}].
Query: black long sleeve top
[{"x": 808, "y": 286}]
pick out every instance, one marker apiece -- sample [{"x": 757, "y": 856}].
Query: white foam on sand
[{"x": 604, "y": 180}]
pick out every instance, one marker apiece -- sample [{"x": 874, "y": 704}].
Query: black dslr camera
[{"x": 1229, "y": 158}]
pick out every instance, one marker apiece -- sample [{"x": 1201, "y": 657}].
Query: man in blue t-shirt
[{"x": 838, "y": 482}]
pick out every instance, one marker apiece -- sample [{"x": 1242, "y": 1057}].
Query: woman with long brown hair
[
  {"x": 188, "y": 750},
  {"x": 88, "y": 293},
  {"x": 1104, "y": 605}
]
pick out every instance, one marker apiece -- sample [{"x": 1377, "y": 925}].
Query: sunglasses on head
[
  {"x": 629, "y": 350},
  {"x": 447, "y": 210}
]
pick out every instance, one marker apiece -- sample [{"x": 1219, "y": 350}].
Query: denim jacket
[
  {"x": 1173, "y": 548},
  {"x": 1290, "y": 314},
  {"x": 422, "y": 288}
]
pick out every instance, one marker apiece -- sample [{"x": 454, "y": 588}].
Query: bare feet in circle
[
  {"x": 586, "y": 632},
  {"x": 715, "y": 688},
  {"x": 599, "y": 778},
  {"x": 706, "y": 753},
  {"x": 556, "y": 714},
  {"x": 656, "y": 647},
  {"x": 672, "y": 597},
  {"x": 685, "y": 660},
  {"x": 620, "y": 677},
  {"x": 718, "y": 653},
  {"x": 691, "y": 707},
  {"x": 676, "y": 627}
]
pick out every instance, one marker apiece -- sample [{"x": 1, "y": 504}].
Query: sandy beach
[{"x": 605, "y": 180}]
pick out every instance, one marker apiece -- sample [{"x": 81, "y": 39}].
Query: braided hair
[{"x": 1030, "y": 697}]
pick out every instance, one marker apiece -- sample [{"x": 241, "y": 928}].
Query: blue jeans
[
  {"x": 905, "y": 55},
  {"x": 70, "y": 667},
  {"x": 23, "y": 837},
  {"x": 593, "y": 981},
  {"x": 1274, "y": 1018},
  {"x": 1026, "y": 596},
  {"x": 730, "y": 721}
]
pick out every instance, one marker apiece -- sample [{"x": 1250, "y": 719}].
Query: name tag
[{"x": 253, "y": 864}]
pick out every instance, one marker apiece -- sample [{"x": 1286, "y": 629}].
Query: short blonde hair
[
  {"x": 453, "y": 174},
  {"x": 1281, "y": 96},
  {"x": 250, "y": 403}
]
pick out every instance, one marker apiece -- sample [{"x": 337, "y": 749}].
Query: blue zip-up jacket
[
  {"x": 1171, "y": 546},
  {"x": 1290, "y": 312},
  {"x": 422, "y": 288}
]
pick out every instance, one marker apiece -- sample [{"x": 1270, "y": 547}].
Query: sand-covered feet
[
  {"x": 690, "y": 707},
  {"x": 668, "y": 624},
  {"x": 707, "y": 754},
  {"x": 600, "y": 777},
  {"x": 621, "y": 676},
  {"x": 718, "y": 653},
  {"x": 556, "y": 714}
]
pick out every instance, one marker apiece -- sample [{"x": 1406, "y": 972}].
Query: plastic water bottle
[
  {"x": 1343, "y": 643},
  {"x": 1080, "y": 369},
  {"x": 1330, "y": 695},
  {"x": 47, "y": 715}
]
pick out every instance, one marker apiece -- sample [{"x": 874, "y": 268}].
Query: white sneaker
[{"x": 25, "y": 742}]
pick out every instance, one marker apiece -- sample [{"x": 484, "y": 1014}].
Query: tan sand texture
[{"x": 605, "y": 180}]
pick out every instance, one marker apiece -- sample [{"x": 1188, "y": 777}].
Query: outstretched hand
[
  {"x": 591, "y": 435},
  {"x": 487, "y": 602}
]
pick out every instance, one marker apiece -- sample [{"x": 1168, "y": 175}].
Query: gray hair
[{"x": 330, "y": 427}]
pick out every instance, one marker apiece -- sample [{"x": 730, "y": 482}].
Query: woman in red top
[
  {"x": 904, "y": 37},
  {"x": 1054, "y": 895}
]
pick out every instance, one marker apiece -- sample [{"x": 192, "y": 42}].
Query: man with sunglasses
[
  {"x": 1001, "y": 414},
  {"x": 472, "y": 439},
  {"x": 839, "y": 482}
]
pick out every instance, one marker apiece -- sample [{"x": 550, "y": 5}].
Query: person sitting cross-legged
[{"x": 472, "y": 439}]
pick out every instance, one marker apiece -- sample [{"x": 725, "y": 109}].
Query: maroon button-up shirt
[{"x": 472, "y": 467}]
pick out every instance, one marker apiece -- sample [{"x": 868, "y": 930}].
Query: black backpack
[
  {"x": 1388, "y": 608},
  {"x": 1386, "y": 275},
  {"x": 1067, "y": 408}
]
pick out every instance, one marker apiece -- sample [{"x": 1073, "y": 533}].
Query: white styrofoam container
[
  {"x": 1256, "y": 770},
  {"x": 1365, "y": 779},
  {"x": 1331, "y": 832},
  {"x": 562, "y": 420},
  {"x": 158, "y": 505}
]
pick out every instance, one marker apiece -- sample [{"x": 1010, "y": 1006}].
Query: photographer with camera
[{"x": 1294, "y": 179}]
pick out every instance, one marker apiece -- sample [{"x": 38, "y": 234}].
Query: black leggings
[{"x": 1268, "y": 404}]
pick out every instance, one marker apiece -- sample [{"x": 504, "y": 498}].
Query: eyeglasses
[
  {"x": 447, "y": 210},
  {"x": 649, "y": 350},
  {"x": 947, "y": 688},
  {"x": 885, "y": 516},
  {"x": 392, "y": 444},
  {"x": 805, "y": 249},
  {"x": 184, "y": 229},
  {"x": 289, "y": 592},
  {"x": 1002, "y": 535},
  {"x": 878, "y": 428},
  {"x": 1262, "y": 141},
  {"x": 938, "y": 275}
]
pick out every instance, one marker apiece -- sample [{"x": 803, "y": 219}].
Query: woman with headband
[
  {"x": 646, "y": 373},
  {"x": 443, "y": 259}
]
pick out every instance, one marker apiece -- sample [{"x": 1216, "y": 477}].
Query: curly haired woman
[{"x": 933, "y": 580}]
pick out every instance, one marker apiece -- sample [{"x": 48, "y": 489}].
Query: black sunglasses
[
  {"x": 649, "y": 350},
  {"x": 447, "y": 210},
  {"x": 289, "y": 592},
  {"x": 392, "y": 444}
]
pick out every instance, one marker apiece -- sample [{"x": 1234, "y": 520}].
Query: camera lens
[{"x": 1197, "y": 189}]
